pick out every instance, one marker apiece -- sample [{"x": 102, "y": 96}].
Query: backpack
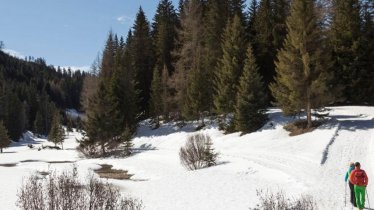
[{"x": 360, "y": 177}]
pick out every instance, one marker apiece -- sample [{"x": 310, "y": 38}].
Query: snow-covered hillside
[{"x": 312, "y": 163}]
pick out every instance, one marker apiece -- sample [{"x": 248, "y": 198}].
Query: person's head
[
  {"x": 351, "y": 164},
  {"x": 358, "y": 165}
]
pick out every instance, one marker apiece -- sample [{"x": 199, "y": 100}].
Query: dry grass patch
[
  {"x": 107, "y": 172},
  {"x": 301, "y": 126}
]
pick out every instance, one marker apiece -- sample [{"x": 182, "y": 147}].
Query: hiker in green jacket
[{"x": 351, "y": 186}]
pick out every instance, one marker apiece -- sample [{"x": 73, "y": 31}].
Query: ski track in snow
[{"x": 267, "y": 159}]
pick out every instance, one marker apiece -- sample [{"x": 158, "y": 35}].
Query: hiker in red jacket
[{"x": 360, "y": 180}]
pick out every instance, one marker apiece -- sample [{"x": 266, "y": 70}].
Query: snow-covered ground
[{"x": 314, "y": 163}]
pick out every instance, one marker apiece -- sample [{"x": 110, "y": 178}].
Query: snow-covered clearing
[{"x": 312, "y": 163}]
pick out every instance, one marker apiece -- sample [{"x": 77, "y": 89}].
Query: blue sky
[{"x": 66, "y": 32}]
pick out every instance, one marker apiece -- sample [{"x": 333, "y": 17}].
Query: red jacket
[{"x": 358, "y": 177}]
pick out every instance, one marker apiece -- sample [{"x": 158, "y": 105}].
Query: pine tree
[
  {"x": 164, "y": 34},
  {"x": 197, "y": 94},
  {"x": 57, "y": 132},
  {"x": 281, "y": 12},
  {"x": 252, "y": 19},
  {"x": 366, "y": 55},
  {"x": 38, "y": 124},
  {"x": 127, "y": 136},
  {"x": 108, "y": 57},
  {"x": 266, "y": 27},
  {"x": 236, "y": 8},
  {"x": 216, "y": 17},
  {"x": 251, "y": 99},
  {"x": 303, "y": 64},
  {"x": 345, "y": 40},
  {"x": 141, "y": 48},
  {"x": 210, "y": 156},
  {"x": 191, "y": 42},
  {"x": 4, "y": 138},
  {"x": 230, "y": 66},
  {"x": 156, "y": 99},
  {"x": 99, "y": 127},
  {"x": 15, "y": 116}
]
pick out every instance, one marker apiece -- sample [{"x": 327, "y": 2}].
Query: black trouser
[{"x": 353, "y": 199}]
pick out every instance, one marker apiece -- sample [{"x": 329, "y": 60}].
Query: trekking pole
[
  {"x": 345, "y": 194},
  {"x": 367, "y": 197}
]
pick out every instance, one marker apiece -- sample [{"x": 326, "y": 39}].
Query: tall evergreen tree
[
  {"x": 251, "y": 99},
  {"x": 99, "y": 125},
  {"x": 345, "y": 39},
  {"x": 108, "y": 57},
  {"x": 156, "y": 97},
  {"x": 191, "y": 42},
  {"x": 4, "y": 138},
  {"x": 367, "y": 54},
  {"x": 57, "y": 133},
  {"x": 15, "y": 117},
  {"x": 230, "y": 66},
  {"x": 237, "y": 7},
  {"x": 281, "y": 9},
  {"x": 263, "y": 41},
  {"x": 303, "y": 64},
  {"x": 252, "y": 19},
  {"x": 216, "y": 17},
  {"x": 164, "y": 34},
  {"x": 141, "y": 47}
]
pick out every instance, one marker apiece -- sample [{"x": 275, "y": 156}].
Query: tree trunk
[
  {"x": 103, "y": 149},
  {"x": 1, "y": 150},
  {"x": 309, "y": 111}
]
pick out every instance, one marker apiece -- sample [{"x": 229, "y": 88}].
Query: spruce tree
[
  {"x": 141, "y": 50},
  {"x": 99, "y": 125},
  {"x": 57, "y": 132},
  {"x": 197, "y": 94},
  {"x": 164, "y": 34},
  {"x": 345, "y": 40},
  {"x": 216, "y": 17},
  {"x": 303, "y": 66},
  {"x": 191, "y": 43},
  {"x": 38, "y": 126},
  {"x": 15, "y": 116},
  {"x": 156, "y": 97},
  {"x": 236, "y": 8},
  {"x": 251, "y": 32},
  {"x": 4, "y": 138},
  {"x": 230, "y": 66},
  {"x": 210, "y": 156},
  {"x": 263, "y": 41},
  {"x": 366, "y": 55},
  {"x": 281, "y": 10},
  {"x": 251, "y": 99}
]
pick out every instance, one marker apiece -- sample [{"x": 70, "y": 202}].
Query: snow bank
[{"x": 267, "y": 159}]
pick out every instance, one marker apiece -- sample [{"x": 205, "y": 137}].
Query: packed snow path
[{"x": 314, "y": 163}]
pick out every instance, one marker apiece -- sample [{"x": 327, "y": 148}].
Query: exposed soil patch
[
  {"x": 8, "y": 165},
  {"x": 107, "y": 172},
  {"x": 301, "y": 126}
]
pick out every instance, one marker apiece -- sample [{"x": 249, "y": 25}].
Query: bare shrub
[
  {"x": 65, "y": 191},
  {"x": 278, "y": 201},
  {"x": 198, "y": 152}
]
